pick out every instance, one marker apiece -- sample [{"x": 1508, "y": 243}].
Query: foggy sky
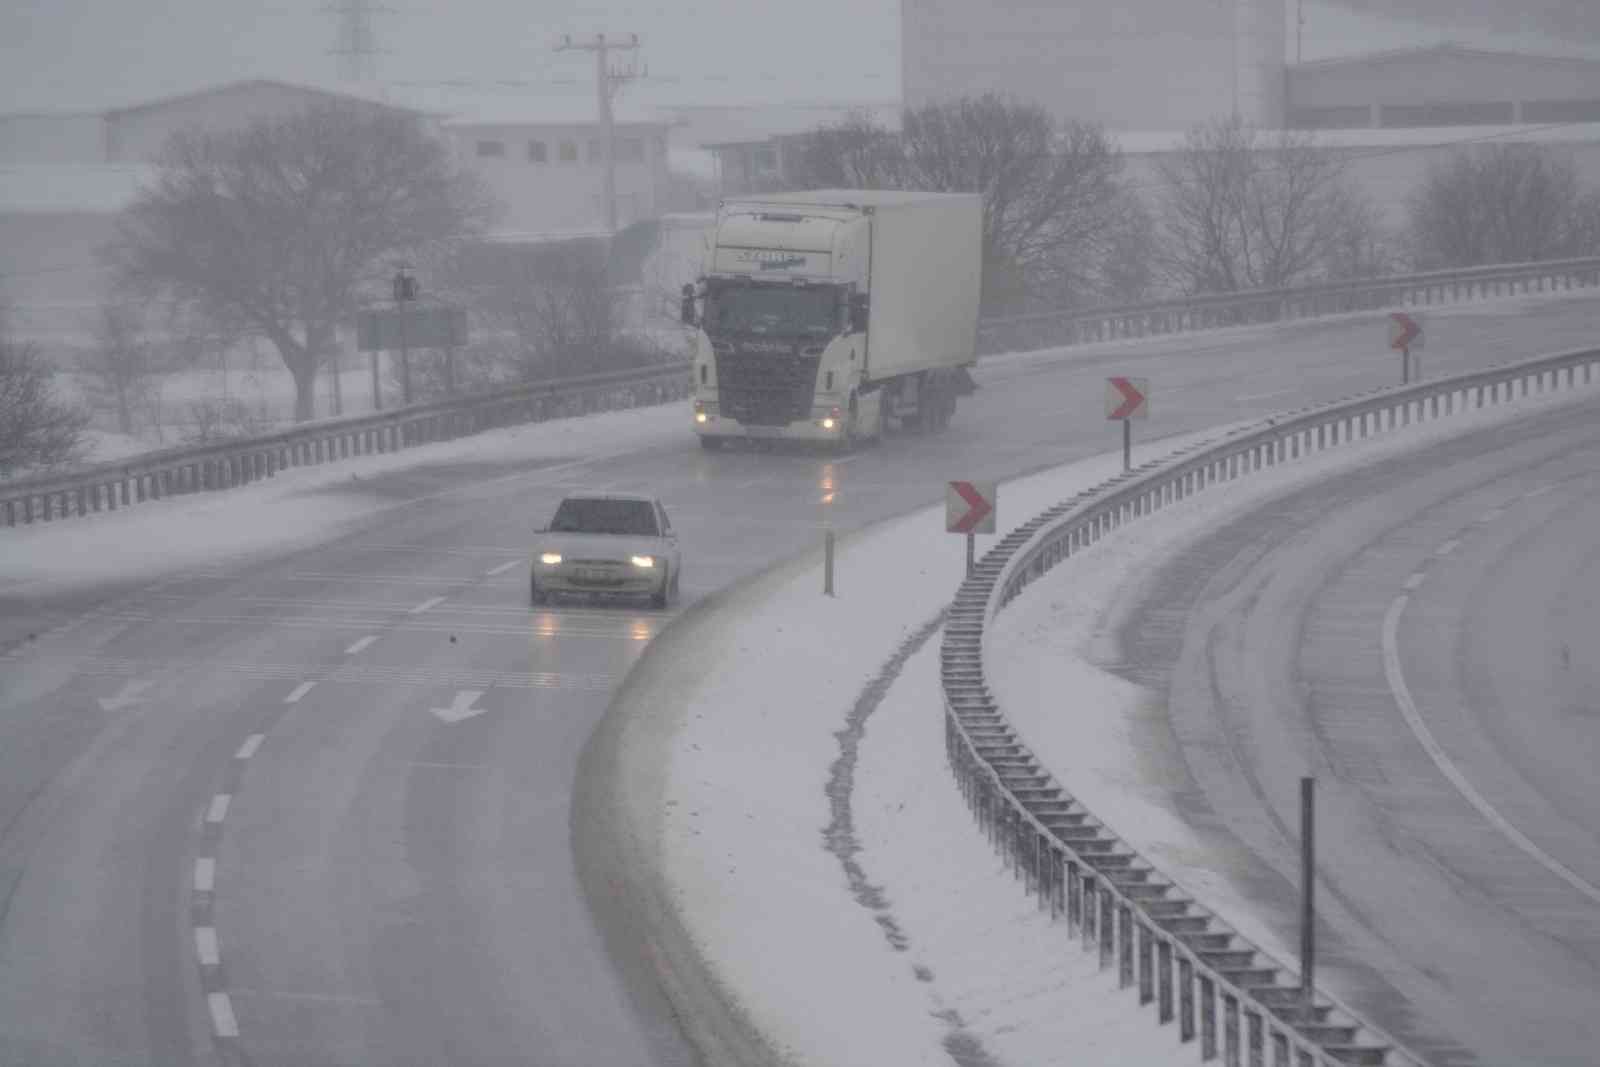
[{"x": 92, "y": 54}]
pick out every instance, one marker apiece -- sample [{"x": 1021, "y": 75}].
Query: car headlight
[
  {"x": 550, "y": 559},
  {"x": 644, "y": 561}
]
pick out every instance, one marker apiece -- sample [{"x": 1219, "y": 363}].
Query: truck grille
[{"x": 766, "y": 388}]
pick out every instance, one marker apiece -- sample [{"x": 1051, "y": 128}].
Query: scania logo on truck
[{"x": 773, "y": 260}]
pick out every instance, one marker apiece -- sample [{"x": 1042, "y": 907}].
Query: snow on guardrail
[{"x": 1218, "y": 987}]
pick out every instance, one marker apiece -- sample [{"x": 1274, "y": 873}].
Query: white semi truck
[{"x": 832, "y": 315}]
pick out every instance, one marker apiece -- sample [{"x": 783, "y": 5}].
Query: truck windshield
[{"x": 775, "y": 310}]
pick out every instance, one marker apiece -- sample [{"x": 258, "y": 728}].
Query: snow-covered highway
[{"x": 233, "y": 824}]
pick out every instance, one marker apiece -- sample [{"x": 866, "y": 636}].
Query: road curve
[
  {"x": 315, "y": 809},
  {"x": 1420, "y": 635}
]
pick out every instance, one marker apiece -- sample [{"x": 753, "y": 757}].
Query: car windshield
[
  {"x": 600, "y": 516},
  {"x": 776, "y": 310}
]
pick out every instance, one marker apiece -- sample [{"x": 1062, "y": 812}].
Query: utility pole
[
  {"x": 607, "y": 82},
  {"x": 356, "y": 43}
]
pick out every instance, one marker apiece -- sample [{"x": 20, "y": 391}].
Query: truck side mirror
[
  {"x": 859, "y": 306},
  {"x": 686, "y": 307}
]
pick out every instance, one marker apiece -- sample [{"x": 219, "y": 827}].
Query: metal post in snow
[
  {"x": 1127, "y": 445},
  {"x": 1308, "y": 914},
  {"x": 827, "y": 562},
  {"x": 972, "y": 554},
  {"x": 377, "y": 388},
  {"x": 1405, "y": 365}
]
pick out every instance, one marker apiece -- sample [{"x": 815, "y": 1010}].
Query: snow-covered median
[{"x": 932, "y": 951}]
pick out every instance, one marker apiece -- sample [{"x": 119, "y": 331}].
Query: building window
[
  {"x": 569, "y": 151},
  {"x": 536, "y": 152},
  {"x": 630, "y": 150},
  {"x": 491, "y": 149},
  {"x": 766, "y": 160},
  {"x": 1331, "y": 118}
]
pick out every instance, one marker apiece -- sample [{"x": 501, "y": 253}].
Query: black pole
[
  {"x": 1308, "y": 913},
  {"x": 377, "y": 387},
  {"x": 827, "y": 562},
  {"x": 1405, "y": 364},
  {"x": 972, "y": 554},
  {"x": 1127, "y": 444}
]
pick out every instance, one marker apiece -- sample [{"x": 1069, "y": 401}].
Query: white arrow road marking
[
  {"x": 503, "y": 567},
  {"x": 461, "y": 707},
  {"x": 431, "y": 602},
  {"x": 131, "y": 694},
  {"x": 299, "y": 691},
  {"x": 361, "y": 645},
  {"x": 1447, "y": 766}
]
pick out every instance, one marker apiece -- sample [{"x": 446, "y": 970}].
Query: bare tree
[
  {"x": 119, "y": 367},
  {"x": 1245, "y": 209},
  {"x": 1583, "y": 230},
  {"x": 1502, "y": 203},
  {"x": 37, "y": 429},
  {"x": 275, "y": 229},
  {"x": 1054, "y": 206}
]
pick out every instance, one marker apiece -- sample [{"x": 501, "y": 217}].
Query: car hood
[{"x": 600, "y": 546}]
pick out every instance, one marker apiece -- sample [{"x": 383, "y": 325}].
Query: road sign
[
  {"x": 1405, "y": 331},
  {"x": 969, "y": 507},
  {"x": 1127, "y": 398},
  {"x": 413, "y": 326}
]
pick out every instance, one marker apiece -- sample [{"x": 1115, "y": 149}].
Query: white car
[{"x": 614, "y": 544}]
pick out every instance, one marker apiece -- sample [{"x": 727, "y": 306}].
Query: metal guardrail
[
  {"x": 1217, "y": 985},
  {"x": 226, "y": 464},
  {"x": 1059, "y": 328}
]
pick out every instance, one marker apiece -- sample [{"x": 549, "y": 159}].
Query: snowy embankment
[
  {"x": 809, "y": 844},
  {"x": 812, "y": 846}
]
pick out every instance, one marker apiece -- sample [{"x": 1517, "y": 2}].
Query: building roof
[
  {"x": 332, "y": 96},
  {"x": 515, "y": 105},
  {"x": 70, "y": 188},
  {"x": 722, "y": 126},
  {"x": 1400, "y": 55},
  {"x": 1150, "y": 142}
]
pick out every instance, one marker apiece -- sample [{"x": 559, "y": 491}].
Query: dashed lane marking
[
  {"x": 1448, "y": 547},
  {"x": 205, "y": 874},
  {"x": 223, "y": 1021},
  {"x": 251, "y": 744},
  {"x": 350, "y": 674},
  {"x": 1447, "y": 766},
  {"x": 218, "y": 810},
  {"x": 1539, "y": 491},
  {"x": 1491, "y": 515},
  {"x": 361, "y": 645},
  {"x": 559, "y": 626},
  {"x": 1415, "y": 580},
  {"x": 298, "y": 692},
  {"x": 431, "y": 602},
  {"x": 493, "y": 571},
  {"x": 205, "y": 946}
]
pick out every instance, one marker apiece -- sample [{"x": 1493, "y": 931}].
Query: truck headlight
[
  {"x": 644, "y": 561},
  {"x": 550, "y": 559}
]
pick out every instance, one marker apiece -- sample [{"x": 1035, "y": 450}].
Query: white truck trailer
[{"x": 832, "y": 315}]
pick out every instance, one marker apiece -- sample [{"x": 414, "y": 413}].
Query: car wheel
[
  {"x": 659, "y": 598},
  {"x": 536, "y": 596}
]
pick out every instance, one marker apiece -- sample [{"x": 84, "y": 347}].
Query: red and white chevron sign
[
  {"x": 1405, "y": 331},
  {"x": 1127, "y": 398},
  {"x": 969, "y": 507}
]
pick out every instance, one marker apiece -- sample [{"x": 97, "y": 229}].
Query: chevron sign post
[
  {"x": 1127, "y": 399},
  {"x": 969, "y": 508},
  {"x": 1405, "y": 334}
]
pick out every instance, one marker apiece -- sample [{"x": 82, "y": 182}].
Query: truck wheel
[{"x": 711, "y": 444}]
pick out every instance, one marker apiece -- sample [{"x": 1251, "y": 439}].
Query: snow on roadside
[
  {"x": 743, "y": 848},
  {"x": 298, "y": 506},
  {"x": 1081, "y": 721}
]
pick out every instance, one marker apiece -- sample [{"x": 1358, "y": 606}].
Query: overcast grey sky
[{"x": 98, "y": 53}]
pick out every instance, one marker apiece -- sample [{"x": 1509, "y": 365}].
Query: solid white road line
[
  {"x": 219, "y": 807},
  {"x": 503, "y": 567},
  {"x": 205, "y": 946},
  {"x": 249, "y": 747},
  {"x": 299, "y": 691},
  {"x": 1415, "y": 580},
  {"x": 222, "y": 1017},
  {"x": 431, "y": 602},
  {"x": 205, "y": 874},
  {"x": 361, "y": 645},
  {"x": 1448, "y": 547},
  {"x": 1447, "y": 767}
]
